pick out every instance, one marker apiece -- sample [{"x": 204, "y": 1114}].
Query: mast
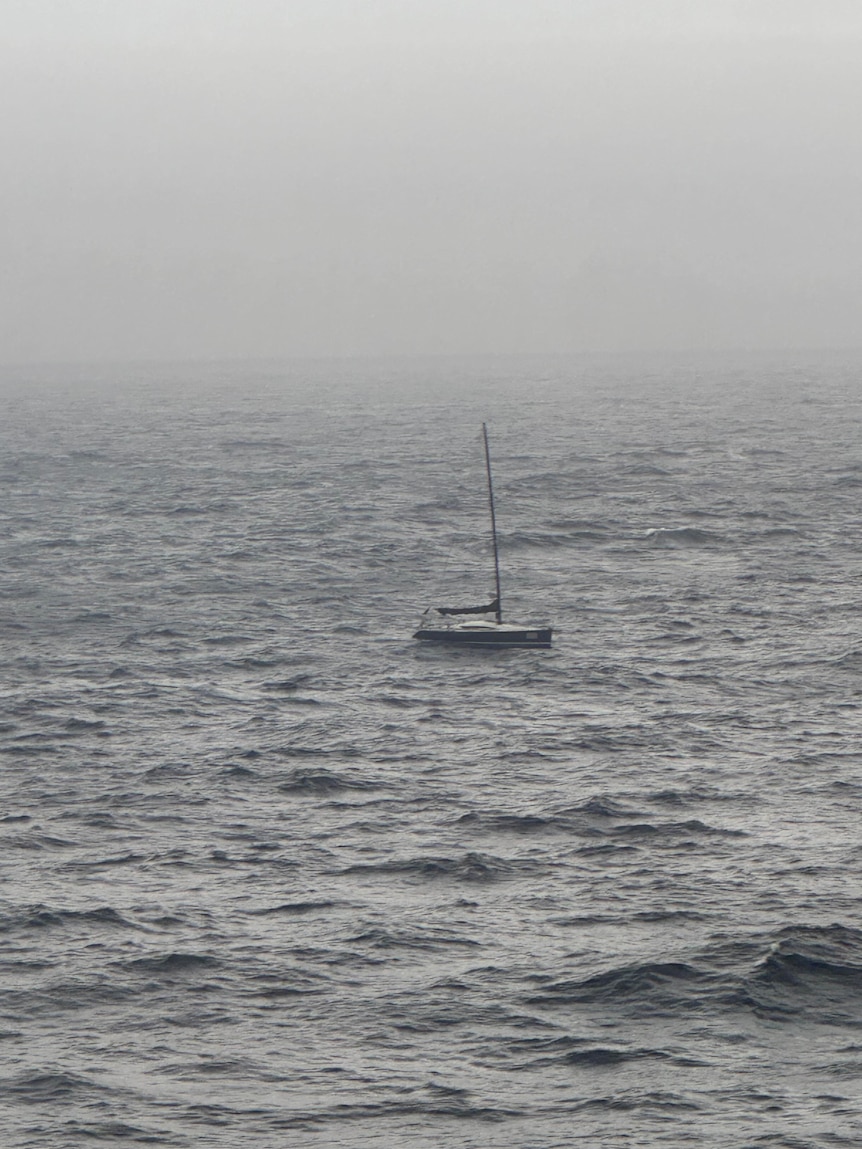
[{"x": 493, "y": 523}]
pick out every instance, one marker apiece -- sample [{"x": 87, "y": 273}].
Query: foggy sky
[{"x": 206, "y": 178}]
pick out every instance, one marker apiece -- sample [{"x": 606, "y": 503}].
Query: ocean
[{"x": 275, "y": 874}]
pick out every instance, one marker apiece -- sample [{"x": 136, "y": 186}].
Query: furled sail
[{"x": 490, "y": 608}]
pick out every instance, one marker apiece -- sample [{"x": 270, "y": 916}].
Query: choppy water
[{"x": 273, "y": 874}]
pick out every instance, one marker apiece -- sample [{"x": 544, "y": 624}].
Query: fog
[{"x": 209, "y": 178}]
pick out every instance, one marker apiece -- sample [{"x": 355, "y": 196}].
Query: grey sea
[{"x": 275, "y": 874}]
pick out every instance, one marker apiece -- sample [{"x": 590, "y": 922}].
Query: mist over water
[{"x": 274, "y": 873}]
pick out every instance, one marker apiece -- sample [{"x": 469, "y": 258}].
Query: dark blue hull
[{"x": 516, "y": 636}]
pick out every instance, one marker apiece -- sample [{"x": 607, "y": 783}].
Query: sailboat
[{"x": 482, "y": 631}]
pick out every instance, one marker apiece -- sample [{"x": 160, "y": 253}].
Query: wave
[
  {"x": 296, "y": 908},
  {"x": 470, "y": 867},
  {"x": 779, "y": 533},
  {"x": 42, "y": 917},
  {"x": 236, "y": 771},
  {"x": 54, "y": 998},
  {"x": 523, "y": 540},
  {"x": 674, "y": 829},
  {"x": 597, "y": 529},
  {"x": 35, "y": 841},
  {"x": 317, "y": 752},
  {"x": 269, "y": 444},
  {"x": 323, "y": 782},
  {"x": 83, "y": 1132},
  {"x": 283, "y": 684},
  {"x": 406, "y": 939},
  {"x": 588, "y": 1056},
  {"x": 682, "y": 537},
  {"x": 444, "y": 1103},
  {"x": 598, "y": 817},
  {"x": 291, "y": 699},
  {"x": 648, "y": 469},
  {"x": 256, "y": 858},
  {"x": 650, "y": 985},
  {"x": 59, "y": 543},
  {"x": 83, "y": 726},
  {"x": 508, "y": 823},
  {"x": 104, "y": 863},
  {"x": 260, "y": 662},
  {"x": 850, "y": 661},
  {"x": 30, "y": 750},
  {"x": 810, "y": 969},
  {"x": 694, "y": 795},
  {"x": 171, "y": 963},
  {"x": 44, "y": 1088},
  {"x": 805, "y": 971}
]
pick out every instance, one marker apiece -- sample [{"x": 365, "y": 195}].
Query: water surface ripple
[{"x": 275, "y": 874}]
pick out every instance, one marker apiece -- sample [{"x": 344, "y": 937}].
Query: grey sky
[{"x": 216, "y": 178}]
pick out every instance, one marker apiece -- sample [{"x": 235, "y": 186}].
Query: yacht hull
[{"x": 487, "y": 636}]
